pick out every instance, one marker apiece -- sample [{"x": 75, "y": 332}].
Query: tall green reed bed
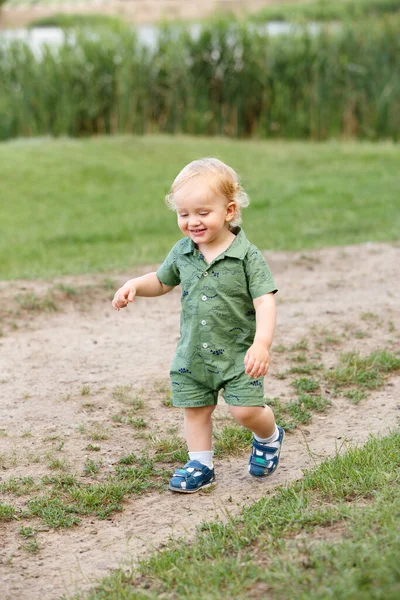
[{"x": 231, "y": 80}]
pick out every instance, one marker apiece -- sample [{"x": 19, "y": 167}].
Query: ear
[{"x": 231, "y": 210}]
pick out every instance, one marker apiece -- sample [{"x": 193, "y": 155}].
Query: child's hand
[
  {"x": 124, "y": 295},
  {"x": 256, "y": 360}
]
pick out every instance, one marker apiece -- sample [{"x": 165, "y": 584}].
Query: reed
[{"x": 232, "y": 80}]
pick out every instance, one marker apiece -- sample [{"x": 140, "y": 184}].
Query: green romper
[{"x": 217, "y": 321}]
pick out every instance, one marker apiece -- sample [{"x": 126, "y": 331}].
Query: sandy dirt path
[{"x": 58, "y": 376}]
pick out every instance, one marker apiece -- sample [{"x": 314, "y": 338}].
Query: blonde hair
[{"x": 224, "y": 177}]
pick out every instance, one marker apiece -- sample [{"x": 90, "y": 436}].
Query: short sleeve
[
  {"x": 168, "y": 272},
  {"x": 259, "y": 277}
]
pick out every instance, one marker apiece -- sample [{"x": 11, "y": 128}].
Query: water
[{"x": 147, "y": 34}]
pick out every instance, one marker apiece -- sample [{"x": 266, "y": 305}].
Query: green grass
[
  {"x": 365, "y": 372},
  {"x": 31, "y": 302},
  {"x": 299, "y": 346},
  {"x": 124, "y": 394},
  {"x": 61, "y": 480},
  {"x": 32, "y": 546},
  {"x": 93, "y": 448},
  {"x": 307, "y": 369},
  {"x": 66, "y": 499},
  {"x": 129, "y": 459},
  {"x": 334, "y": 534},
  {"x": 18, "y": 486},
  {"x": 53, "y": 511},
  {"x": 231, "y": 440},
  {"x": 355, "y": 396},
  {"x": 137, "y": 422},
  {"x": 306, "y": 385},
  {"x": 91, "y": 467},
  {"x": 58, "y": 464},
  {"x": 98, "y": 433},
  {"x": 169, "y": 449},
  {"x": 26, "y": 532},
  {"x": 97, "y": 204},
  {"x": 7, "y": 512},
  {"x": 326, "y": 10}
]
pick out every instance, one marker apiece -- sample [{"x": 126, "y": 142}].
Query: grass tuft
[
  {"x": 61, "y": 480},
  {"x": 231, "y": 440},
  {"x": 93, "y": 448},
  {"x": 302, "y": 345},
  {"x": 60, "y": 464},
  {"x": 26, "y": 532},
  {"x": 18, "y": 486},
  {"x": 7, "y": 512},
  {"x": 123, "y": 393},
  {"x": 33, "y": 303},
  {"x": 304, "y": 369},
  {"x": 318, "y": 403},
  {"x": 32, "y": 546},
  {"x": 357, "y": 472},
  {"x": 101, "y": 499},
  {"x": 306, "y": 385},
  {"x": 98, "y": 433},
  {"x": 368, "y": 372},
  {"x": 130, "y": 459},
  {"x": 91, "y": 467},
  {"x": 355, "y": 395},
  {"x": 137, "y": 422},
  {"x": 53, "y": 511},
  {"x": 169, "y": 449}
]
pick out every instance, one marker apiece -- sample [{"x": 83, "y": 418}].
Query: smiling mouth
[{"x": 197, "y": 230}]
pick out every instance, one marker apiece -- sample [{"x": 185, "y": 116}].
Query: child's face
[{"x": 203, "y": 215}]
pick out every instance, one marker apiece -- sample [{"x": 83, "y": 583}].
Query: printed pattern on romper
[{"x": 218, "y": 316}]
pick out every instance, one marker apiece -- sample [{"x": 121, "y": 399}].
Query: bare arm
[
  {"x": 147, "y": 285},
  {"x": 257, "y": 357},
  {"x": 265, "y": 319}
]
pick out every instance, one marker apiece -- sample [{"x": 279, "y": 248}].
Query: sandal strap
[
  {"x": 194, "y": 466},
  {"x": 261, "y": 461}
]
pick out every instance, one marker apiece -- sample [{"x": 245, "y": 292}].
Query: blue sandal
[
  {"x": 193, "y": 477},
  {"x": 264, "y": 459}
]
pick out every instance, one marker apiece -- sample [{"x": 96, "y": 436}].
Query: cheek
[{"x": 182, "y": 224}]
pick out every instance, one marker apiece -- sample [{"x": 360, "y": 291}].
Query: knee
[
  {"x": 245, "y": 415},
  {"x": 202, "y": 413}
]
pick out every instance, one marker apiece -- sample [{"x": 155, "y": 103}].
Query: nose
[{"x": 194, "y": 220}]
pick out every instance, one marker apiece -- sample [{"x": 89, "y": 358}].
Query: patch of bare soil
[{"x": 59, "y": 370}]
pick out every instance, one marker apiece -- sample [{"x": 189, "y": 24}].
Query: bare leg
[
  {"x": 259, "y": 419},
  {"x": 198, "y": 428}
]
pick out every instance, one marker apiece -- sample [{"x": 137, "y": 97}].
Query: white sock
[
  {"x": 205, "y": 457},
  {"x": 268, "y": 440}
]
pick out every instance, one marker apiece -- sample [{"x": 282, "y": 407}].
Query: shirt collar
[
  {"x": 237, "y": 249},
  {"x": 239, "y": 246},
  {"x": 187, "y": 246}
]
